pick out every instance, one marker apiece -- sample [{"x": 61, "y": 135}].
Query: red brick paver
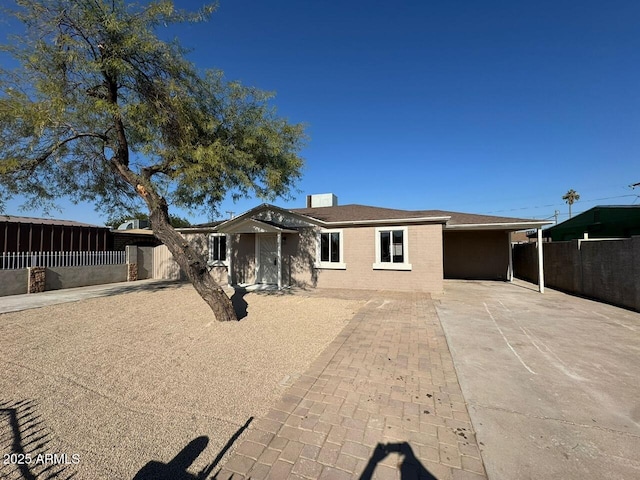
[{"x": 382, "y": 401}]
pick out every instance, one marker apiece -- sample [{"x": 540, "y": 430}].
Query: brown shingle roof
[{"x": 354, "y": 212}]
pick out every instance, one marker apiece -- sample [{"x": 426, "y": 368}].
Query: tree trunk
[{"x": 192, "y": 263}]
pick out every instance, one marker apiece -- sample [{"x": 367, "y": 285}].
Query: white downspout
[
  {"x": 279, "y": 260},
  {"x": 230, "y": 239}
]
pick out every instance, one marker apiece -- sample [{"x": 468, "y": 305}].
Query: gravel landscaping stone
[{"x": 131, "y": 382}]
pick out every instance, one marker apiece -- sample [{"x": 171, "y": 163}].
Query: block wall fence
[{"x": 606, "y": 270}]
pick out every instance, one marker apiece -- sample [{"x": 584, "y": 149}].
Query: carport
[{"x": 477, "y": 247}]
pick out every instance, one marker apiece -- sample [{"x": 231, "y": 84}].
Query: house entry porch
[{"x": 262, "y": 267}]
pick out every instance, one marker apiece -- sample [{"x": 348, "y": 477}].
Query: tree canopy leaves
[
  {"x": 99, "y": 104},
  {"x": 571, "y": 197},
  {"x": 101, "y": 109},
  {"x": 114, "y": 220}
]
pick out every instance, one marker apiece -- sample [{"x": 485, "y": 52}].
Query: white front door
[{"x": 268, "y": 260}]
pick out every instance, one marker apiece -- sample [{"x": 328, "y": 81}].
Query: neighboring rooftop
[
  {"x": 45, "y": 221},
  {"x": 200, "y": 227},
  {"x": 602, "y": 221}
]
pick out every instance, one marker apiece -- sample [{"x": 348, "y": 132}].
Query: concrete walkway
[
  {"x": 16, "y": 303},
  {"x": 381, "y": 402}
]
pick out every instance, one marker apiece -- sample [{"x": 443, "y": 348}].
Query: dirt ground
[{"x": 113, "y": 386}]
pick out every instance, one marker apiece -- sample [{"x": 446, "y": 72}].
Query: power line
[{"x": 561, "y": 204}]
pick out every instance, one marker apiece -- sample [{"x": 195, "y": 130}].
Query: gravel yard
[{"x": 125, "y": 380}]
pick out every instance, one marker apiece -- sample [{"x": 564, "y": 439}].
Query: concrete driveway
[{"x": 552, "y": 381}]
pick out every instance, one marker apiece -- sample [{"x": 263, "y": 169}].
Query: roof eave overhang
[
  {"x": 385, "y": 221},
  {"x": 196, "y": 229},
  {"x": 251, "y": 225},
  {"x": 511, "y": 226},
  {"x": 137, "y": 231}
]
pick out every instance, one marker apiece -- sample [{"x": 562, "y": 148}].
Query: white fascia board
[
  {"x": 497, "y": 226},
  {"x": 387, "y": 221},
  {"x": 260, "y": 208}
]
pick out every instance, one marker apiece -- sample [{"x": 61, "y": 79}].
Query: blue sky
[{"x": 495, "y": 107}]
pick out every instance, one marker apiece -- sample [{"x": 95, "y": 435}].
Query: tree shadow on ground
[
  {"x": 239, "y": 303},
  {"x": 410, "y": 466},
  {"x": 113, "y": 289},
  {"x": 176, "y": 469},
  {"x": 28, "y": 453}
]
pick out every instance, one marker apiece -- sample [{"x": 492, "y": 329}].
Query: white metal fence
[{"x": 13, "y": 261}]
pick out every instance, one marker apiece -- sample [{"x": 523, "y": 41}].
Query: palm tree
[{"x": 570, "y": 197}]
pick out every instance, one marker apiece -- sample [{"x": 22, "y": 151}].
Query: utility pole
[
  {"x": 230, "y": 212},
  {"x": 555, "y": 214}
]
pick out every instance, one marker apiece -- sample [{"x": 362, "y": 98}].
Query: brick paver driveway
[{"x": 382, "y": 402}]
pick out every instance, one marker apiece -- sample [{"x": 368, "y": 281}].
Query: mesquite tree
[{"x": 99, "y": 108}]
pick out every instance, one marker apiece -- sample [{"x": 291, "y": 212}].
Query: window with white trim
[
  {"x": 330, "y": 249},
  {"x": 392, "y": 249},
  {"x": 218, "y": 249}
]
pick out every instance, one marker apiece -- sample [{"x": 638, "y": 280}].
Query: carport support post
[
  {"x": 510, "y": 275},
  {"x": 540, "y": 262},
  {"x": 279, "y": 260}
]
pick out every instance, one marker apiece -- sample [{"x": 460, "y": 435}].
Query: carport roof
[{"x": 470, "y": 221}]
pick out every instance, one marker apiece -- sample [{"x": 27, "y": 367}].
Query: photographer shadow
[
  {"x": 177, "y": 468},
  {"x": 410, "y": 467}
]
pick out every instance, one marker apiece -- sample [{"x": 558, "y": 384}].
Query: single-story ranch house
[{"x": 357, "y": 246}]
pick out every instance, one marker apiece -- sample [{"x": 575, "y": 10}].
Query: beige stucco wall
[
  {"x": 145, "y": 262},
  {"x": 198, "y": 241},
  {"x": 243, "y": 261},
  {"x": 476, "y": 254},
  {"x": 424, "y": 254},
  {"x": 13, "y": 282},
  {"x": 299, "y": 257},
  {"x": 69, "y": 277},
  {"x": 166, "y": 267}
]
